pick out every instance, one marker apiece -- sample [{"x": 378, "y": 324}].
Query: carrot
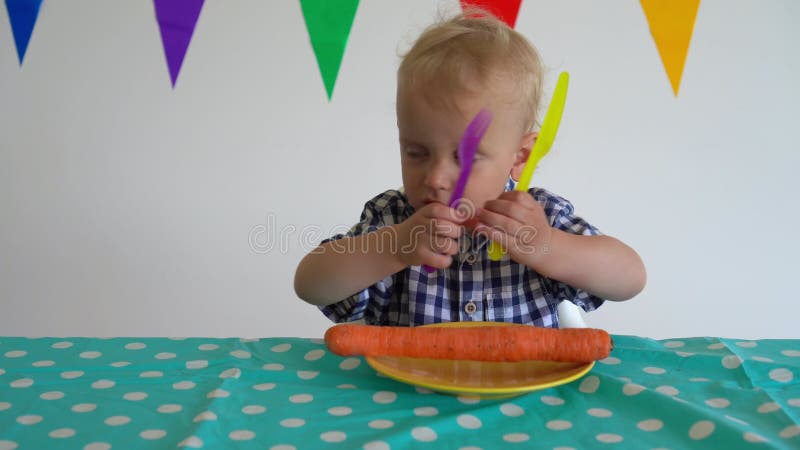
[{"x": 510, "y": 343}]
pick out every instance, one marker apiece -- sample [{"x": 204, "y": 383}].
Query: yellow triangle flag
[{"x": 671, "y": 24}]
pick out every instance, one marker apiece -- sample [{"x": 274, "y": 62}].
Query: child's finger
[
  {"x": 504, "y": 208},
  {"x": 441, "y": 227}
]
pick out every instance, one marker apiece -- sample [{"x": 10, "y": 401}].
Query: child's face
[{"x": 429, "y": 138}]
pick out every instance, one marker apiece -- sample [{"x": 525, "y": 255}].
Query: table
[{"x": 290, "y": 393}]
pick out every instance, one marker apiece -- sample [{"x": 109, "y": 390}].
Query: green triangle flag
[{"x": 328, "y": 23}]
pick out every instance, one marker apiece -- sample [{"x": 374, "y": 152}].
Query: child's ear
[{"x": 521, "y": 156}]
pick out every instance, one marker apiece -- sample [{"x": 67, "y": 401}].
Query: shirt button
[
  {"x": 471, "y": 258},
  {"x": 470, "y": 308}
]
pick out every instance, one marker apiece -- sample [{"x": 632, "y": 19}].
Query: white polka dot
[
  {"x": 558, "y": 425},
  {"x": 701, "y": 429},
  {"x": 511, "y": 410},
  {"x": 62, "y": 433},
  {"x": 469, "y": 421},
  {"x": 349, "y": 363},
  {"x": 423, "y": 434},
  {"x": 599, "y": 412},
  {"x": 241, "y": 354},
  {"x": 746, "y": 344},
  {"x": 165, "y": 355},
  {"x": 90, "y": 355},
  {"x": 198, "y": 364},
  {"x": 151, "y": 374},
  {"x": 650, "y": 425},
  {"x": 183, "y": 385},
  {"x": 191, "y": 442},
  {"x": 120, "y": 364},
  {"x": 384, "y": 397},
  {"x": 15, "y": 354},
  {"x": 135, "y": 346},
  {"x": 376, "y": 445},
  {"x": 205, "y": 416},
  {"x": 8, "y": 445},
  {"x": 283, "y": 447},
  {"x": 103, "y": 384},
  {"x": 135, "y": 396},
  {"x": 170, "y": 408},
  {"x": 790, "y": 431},
  {"x": 264, "y": 386},
  {"x": 234, "y": 372},
  {"x": 468, "y": 399},
  {"x": 731, "y": 361},
  {"x": 516, "y": 437},
  {"x": 340, "y": 411},
  {"x": 380, "y": 424},
  {"x": 246, "y": 340},
  {"x": 281, "y": 348},
  {"x": 115, "y": 421},
  {"x": 684, "y": 354},
  {"x": 314, "y": 355},
  {"x": 63, "y": 344},
  {"x": 52, "y": 395},
  {"x": 609, "y": 438},
  {"x": 768, "y": 407},
  {"x": 654, "y": 370},
  {"x": 84, "y": 407},
  {"x": 717, "y": 346},
  {"x": 422, "y": 390},
  {"x": 781, "y": 375},
  {"x": 763, "y": 359},
  {"x": 610, "y": 361},
  {"x": 699, "y": 380},
  {"x": 552, "y": 401},
  {"x": 674, "y": 344},
  {"x": 425, "y": 411},
  {"x": 44, "y": 363},
  {"x": 632, "y": 389},
  {"x": 241, "y": 435},
  {"x": 97, "y": 446},
  {"x": 292, "y": 423},
  {"x": 333, "y": 436},
  {"x": 273, "y": 367},
  {"x": 208, "y": 347},
  {"x": 152, "y": 434},
  {"x": 218, "y": 393},
  {"x": 794, "y": 402},
  {"x": 307, "y": 374},
  {"x": 753, "y": 437},
  {"x": 667, "y": 390},
  {"x": 253, "y": 409},
  {"x": 29, "y": 419},
  {"x": 791, "y": 353},
  {"x": 301, "y": 398},
  {"x": 4, "y": 406},
  {"x": 589, "y": 384},
  {"x": 718, "y": 402},
  {"x": 22, "y": 383}
]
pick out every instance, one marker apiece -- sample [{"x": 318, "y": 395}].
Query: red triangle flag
[{"x": 505, "y": 10}]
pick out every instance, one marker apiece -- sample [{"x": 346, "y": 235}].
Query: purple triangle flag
[
  {"x": 22, "y": 14},
  {"x": 176, "y": 20}
]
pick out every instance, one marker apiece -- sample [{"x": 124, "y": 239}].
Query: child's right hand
[{"x": 430, "y": 236}]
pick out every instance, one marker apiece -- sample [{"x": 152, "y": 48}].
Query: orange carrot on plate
[{"x": 510, "y": 343}]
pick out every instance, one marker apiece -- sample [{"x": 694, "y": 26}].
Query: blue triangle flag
[{"x": 22, "y": 14}]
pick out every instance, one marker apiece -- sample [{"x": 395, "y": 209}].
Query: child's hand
[
  {"x": 518, "y": 222},
  {"x": 430, "y": 236}
]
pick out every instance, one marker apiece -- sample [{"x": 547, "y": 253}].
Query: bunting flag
[
  {"x": 176, "y": 20},
  {"x": 671, "y": 24},
  {"x": 505, "y": 10},
  {"x": 328, "y": 23},
  {"x": 22, "y": 14}
]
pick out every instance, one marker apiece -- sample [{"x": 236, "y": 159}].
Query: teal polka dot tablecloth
[{"x": 290, "y": 393}]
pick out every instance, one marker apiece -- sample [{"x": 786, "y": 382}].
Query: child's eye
[{"x": 415, "y": 151}]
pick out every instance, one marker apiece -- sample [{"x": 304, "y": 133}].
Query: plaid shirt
[{"x": 473, "y": 288}]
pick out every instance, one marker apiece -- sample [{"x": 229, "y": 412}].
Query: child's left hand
[{"x": 518, "y": 222}]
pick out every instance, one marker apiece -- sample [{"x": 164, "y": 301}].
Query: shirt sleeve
[
  {"x": 562, "y": 216},
  {"x": 363, "y": 302}
]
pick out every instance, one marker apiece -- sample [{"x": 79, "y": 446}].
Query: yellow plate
[{"x": 478, "y": 378}]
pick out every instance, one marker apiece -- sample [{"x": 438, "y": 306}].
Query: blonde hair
[{"x": 473, "y": 46}]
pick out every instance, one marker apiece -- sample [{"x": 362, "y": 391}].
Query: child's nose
[{"x": 440, "y": 175}]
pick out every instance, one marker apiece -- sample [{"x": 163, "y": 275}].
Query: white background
[{"x": 127, "y": 207}]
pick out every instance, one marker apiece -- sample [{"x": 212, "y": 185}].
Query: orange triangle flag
[{"x": 671, "y": 24}]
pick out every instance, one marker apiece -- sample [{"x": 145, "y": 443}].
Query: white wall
[{"x": 127, "y": 207}]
